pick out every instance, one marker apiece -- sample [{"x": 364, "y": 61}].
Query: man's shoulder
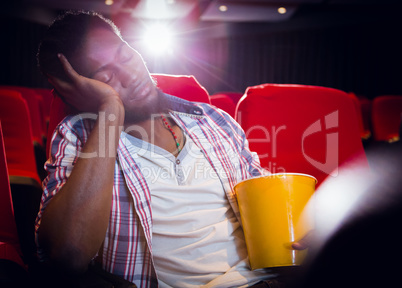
[
  {"x": 77, "y": 124},
  {"x": 198, "y": 109},
  {"x": 219, "y": 116}
]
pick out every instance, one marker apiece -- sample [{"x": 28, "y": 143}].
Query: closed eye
[
  {"x": 126, "y": 54},
  {"x": 104, "y": 76},
  {"x": 126, "y": 58}
]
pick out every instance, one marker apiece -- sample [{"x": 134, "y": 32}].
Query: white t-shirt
[{"x": 197, "y": 240}]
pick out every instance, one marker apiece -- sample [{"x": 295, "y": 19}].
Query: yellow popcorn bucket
[{"x": 273, "y": 216}]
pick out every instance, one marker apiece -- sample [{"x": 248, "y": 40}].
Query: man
[{"x": 144, "y": 185}]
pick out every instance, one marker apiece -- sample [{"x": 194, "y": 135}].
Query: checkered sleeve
[{"x": 66, "y": 144}]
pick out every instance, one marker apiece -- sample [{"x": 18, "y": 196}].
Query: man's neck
[{"x": 153, "y": 131}]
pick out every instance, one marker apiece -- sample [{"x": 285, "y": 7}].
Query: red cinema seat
[
  {"x": 34, "y": 112},
  {"x": 364, "y": 134},
  {"x": 234, "y": 96},
  {"x": 37, "y": 123},
  {"x": 227, "y": 101},
  {"x": 40, "y": 101},
  {"x": 183, "y": 86},
  {"x": 47, "y": 97},
  {"x": 365, "y": 105},
  {"x": 17, "y": 132},
  {"x": 386, "y": 117},
  {"x": 12, "y": 267},
  {"x": 8, "y": 228},
  {"x": 224, "y": 102},
  {"x": 24, "y": 179},
  {"x": 300, "y": 128}
]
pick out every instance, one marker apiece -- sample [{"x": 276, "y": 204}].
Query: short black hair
[{"x": 66, "y": 35}]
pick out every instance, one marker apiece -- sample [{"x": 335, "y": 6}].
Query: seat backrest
[
  {"x": 365, "y": 105},
  {"x": 183, "y": 86},
  {"x": 10, "y": 249},
  {"x": 47, "y": 96},
  {"x": 36, "y": 122},
  {"x": 301, "y": 128},
  {"x": 8, "y": 228},
  {"x": 18, "y": 138},
  {"x": 386, "y": 117},
  {"x": 224, "y": 102},
  {"x": 234, "y": 96},
  {"x": 13, "y": 269},
  {"x": 364, "y": 134}
]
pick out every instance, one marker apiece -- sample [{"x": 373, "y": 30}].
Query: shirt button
[{"x": 177, "y": 161}]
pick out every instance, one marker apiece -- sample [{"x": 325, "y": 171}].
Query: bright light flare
[
  {"x": 223, "y": 8},
  {"x": 282, "y": 10},
  {"x": 158, "y": 39},
  {"x": 339, "y": 199}
]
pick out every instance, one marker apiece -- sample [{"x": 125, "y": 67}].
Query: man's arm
[{"x": 74, "y": 223}]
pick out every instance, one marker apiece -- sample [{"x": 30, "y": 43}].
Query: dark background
[{"x": 354, "y": 46}]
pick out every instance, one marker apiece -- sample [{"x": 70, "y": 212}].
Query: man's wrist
[{"x": 114, "y": 111}]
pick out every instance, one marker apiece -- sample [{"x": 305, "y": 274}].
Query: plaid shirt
[{"x": 127, "y": 248}]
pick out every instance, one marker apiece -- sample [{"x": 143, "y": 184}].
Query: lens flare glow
[
  {"x": 282, "y": 10},
  {"x": 158, "y": 39},
  {"x": 223, "y": 8}
]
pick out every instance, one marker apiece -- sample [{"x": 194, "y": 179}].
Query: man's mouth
[{"x": 140, "y": 89}]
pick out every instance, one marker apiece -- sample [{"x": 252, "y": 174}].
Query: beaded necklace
[{"x": 167, "y": 125}]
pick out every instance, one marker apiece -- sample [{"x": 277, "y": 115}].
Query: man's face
[{"x": 105, "y": 57}]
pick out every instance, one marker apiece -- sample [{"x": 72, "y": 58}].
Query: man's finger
[
  {"x": 71, "y": 73},
  {"x": 300, "y": 245},
  {"x": 305, "y": 242}
]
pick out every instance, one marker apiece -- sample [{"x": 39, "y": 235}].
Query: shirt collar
[{"x": 181, "y": 106}]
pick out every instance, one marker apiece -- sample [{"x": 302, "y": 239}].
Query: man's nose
[{"x": 127, "y": 77}]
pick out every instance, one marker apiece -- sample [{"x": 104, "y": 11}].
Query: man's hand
[
  {"x": 305, "y": 242},
  {"x": 75, "y": 221},
  {"x": 83, "y": 93}
]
